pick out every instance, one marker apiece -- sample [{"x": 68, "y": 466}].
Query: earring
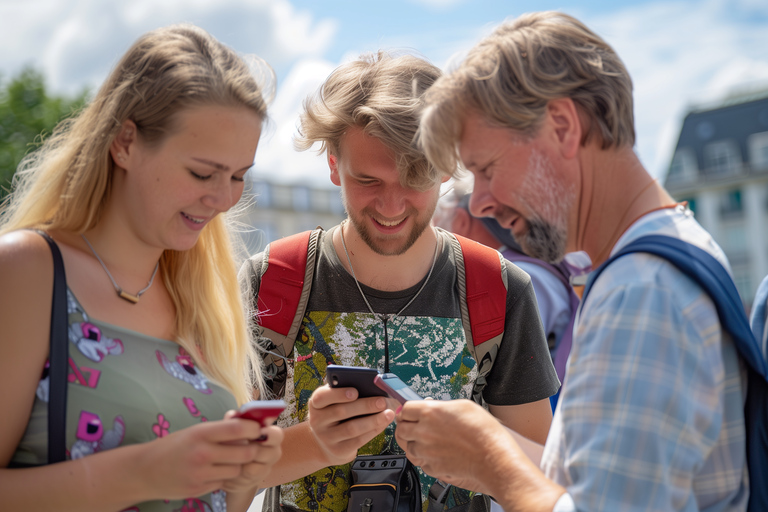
[{"x": 120, "y": 157}]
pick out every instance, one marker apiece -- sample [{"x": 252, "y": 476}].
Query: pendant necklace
[
  {"x": 133, "y": 299},
  {"x": 385, "y": 318}
]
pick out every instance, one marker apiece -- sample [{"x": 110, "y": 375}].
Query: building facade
[
  {"x": 720, "y": 166},
  {"x": 276, "y": 210}
]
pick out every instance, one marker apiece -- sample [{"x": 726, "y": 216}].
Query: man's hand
[
  {"x": 460, "y": 443},
  {"x": 330, "y": 419}
]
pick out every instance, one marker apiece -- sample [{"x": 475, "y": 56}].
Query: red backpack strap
[
  {"x": 486, "y": 291},
  {"x": 482, "y": 281},
  {"x": 285, "y": 286}
]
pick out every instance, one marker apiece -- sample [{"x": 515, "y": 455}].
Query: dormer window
[
  {"x": 721, "y": 157},
  {"x": 758, "y": 150}
]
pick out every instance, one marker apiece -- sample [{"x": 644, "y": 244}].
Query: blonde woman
[{"x": 130, "y": 191}]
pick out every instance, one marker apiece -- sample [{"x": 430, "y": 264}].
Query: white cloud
[
  {"x": 276, "y": 157},
  {"x": 438, "y": 4},
  {"x": 76, "y": 42},
  {"x": 679, "y": 54}
]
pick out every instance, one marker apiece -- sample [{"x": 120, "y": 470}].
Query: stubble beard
[
  {"x": 549, "y": 200},
  {"x": 357, "y": 221}
]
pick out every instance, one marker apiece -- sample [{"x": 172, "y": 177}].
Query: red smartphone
[
  {"x": 395, "y": 387},
  {"x": 260, "y": 410},
  {"x": 358, "y": 377}
]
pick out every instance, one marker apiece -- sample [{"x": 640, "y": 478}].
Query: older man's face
[{"x": 516, "y": 182}]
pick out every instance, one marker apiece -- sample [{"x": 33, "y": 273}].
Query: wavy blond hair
[
  {"x": 383, "y": 94},
  {"x": 65, "y": 184},
  {"x": 511, "y": 75}
]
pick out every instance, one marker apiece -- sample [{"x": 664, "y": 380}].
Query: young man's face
[
  {"x": 386, "y": 215},
  {"x": 516, "y": 182}
]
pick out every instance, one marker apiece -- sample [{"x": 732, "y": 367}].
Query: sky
[{"x": 681, "y": 54}]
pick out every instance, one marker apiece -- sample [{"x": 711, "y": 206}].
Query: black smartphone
[
  {"x": 395, "y": 387},
  {"x": 358, "y": 377}
]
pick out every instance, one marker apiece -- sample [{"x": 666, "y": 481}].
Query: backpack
[
  {"x": 286, "y": 281},
  {"x": 705, "y": 270},
  {"x": 287, "y": 272},
  {"x": 563, "y": 272}
]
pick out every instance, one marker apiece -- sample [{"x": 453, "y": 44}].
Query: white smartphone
[{"x": 395, "y": 387}]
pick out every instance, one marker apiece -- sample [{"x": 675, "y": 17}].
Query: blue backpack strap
[
  {"x": 759, "y": 315},
  {"x": 704, "y": 269}
]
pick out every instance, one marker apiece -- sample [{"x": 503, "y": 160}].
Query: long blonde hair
[{"x": 65, "y": 184}]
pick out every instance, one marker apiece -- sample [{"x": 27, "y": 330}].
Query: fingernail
[
  {"x": 381, "y": 403},
  {"x": 398, "y": 410},
  {"x": 350, "y": 394}
]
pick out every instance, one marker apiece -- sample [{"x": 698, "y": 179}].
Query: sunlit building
[
  {"x": 284, "y": 209},
  {"x": 720, "y": 166}
]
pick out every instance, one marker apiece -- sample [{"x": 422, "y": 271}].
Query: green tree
[{"x": 27, "y": 115}]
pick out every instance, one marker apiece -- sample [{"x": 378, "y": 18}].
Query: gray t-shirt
[{"x": 426, "y": 349}]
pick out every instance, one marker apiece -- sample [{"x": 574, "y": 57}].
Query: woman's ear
[
  {"x": 563, "y": 116},
  {"x": 333, "y": 164},
  {"x": 123, "y": 146}
]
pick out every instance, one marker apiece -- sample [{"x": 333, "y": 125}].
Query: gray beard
[{"x": 544, "y": 241}]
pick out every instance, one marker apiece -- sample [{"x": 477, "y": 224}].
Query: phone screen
[{"x": 396, "y": 388}]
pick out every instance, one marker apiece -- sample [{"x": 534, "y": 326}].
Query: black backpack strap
[{"x": 58, "y": 359}]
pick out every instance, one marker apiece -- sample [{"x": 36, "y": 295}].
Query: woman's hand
[
  {"x": 210, "y": 456},
  {"x": 268, "y": 451},
  {"x": 341, "y": 422}
]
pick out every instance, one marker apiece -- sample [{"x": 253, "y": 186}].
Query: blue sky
[{"x": 680, "y": 53}]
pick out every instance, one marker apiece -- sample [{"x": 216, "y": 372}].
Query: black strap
[{"x": 58, "y": 359}]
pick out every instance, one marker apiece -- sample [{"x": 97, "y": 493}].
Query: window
[
  {"x": 758, "y": 150},
  {"x": 734, "y": 239},
  {"x": 320, "y": 201},
  {"x": 337, "y": 206},
  {"x": 262, "y": 194},
  {"x": 281, "y": 197},
  {"x": 301, "y": 199},
  {"x": 731, "y": 204},
  {"x": 683, "y": 164},
  {"x": 721, "y": 157}
]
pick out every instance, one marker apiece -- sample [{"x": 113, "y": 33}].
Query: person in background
[
  {"x": 555, "y": 295},
  {"x": 131, "y": 192},
  {"x": 385, "y": 295},
  {"x": 651, "y": 413}
]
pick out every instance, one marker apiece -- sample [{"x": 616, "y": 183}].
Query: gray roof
[{"x": 733, "y": 122}]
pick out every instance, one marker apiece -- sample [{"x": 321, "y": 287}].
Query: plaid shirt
[{"x": 651, "y": 412}]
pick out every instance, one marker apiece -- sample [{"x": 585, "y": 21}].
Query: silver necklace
[
  {"x": 133, "y": 299},
  {"x": 384, "y": 318}
]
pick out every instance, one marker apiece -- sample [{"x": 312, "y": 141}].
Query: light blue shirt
[{"x": 651, "y": 413}]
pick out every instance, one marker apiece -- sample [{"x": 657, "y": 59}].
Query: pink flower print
[
  {"x": 193, "y": 410},
  {"x": 161, "y": 427}
]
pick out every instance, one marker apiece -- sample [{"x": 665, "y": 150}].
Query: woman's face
[{"x": 173, "y": 190}]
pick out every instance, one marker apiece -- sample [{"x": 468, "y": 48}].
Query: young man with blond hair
[
  {"x": 651, "y": 412},
  {"x": 385, "y": 295}
]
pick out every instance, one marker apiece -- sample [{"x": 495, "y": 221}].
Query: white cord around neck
[{"x": 352, "y": 271}]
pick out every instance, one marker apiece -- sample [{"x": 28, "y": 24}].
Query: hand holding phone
[
  {"x": 260, "y": 410},
  {"x": 358, "y": 377},
  {"x": 395, "y": 387}
]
